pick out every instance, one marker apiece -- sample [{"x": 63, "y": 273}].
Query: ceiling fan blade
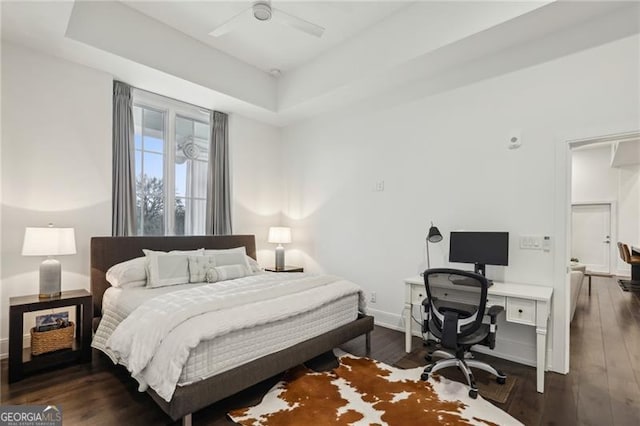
[
  {"x": 232, "y": 23},
  {"x": 298, "y": 23}
]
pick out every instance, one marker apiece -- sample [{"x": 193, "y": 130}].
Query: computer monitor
[{"x": 479, "y": 248}]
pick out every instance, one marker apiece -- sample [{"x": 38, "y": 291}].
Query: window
[{"x": 171, "y": 165}]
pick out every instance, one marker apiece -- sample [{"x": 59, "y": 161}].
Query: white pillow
[
  {"x": 132, "y": 273},
  {"x": 234, "y": 256},
  {"x": 164, "y": 269}
]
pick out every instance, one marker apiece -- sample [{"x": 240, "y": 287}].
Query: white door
[{"x": 591, "y": 235}]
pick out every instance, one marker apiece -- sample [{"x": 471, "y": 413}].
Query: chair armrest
[{"x": 493, "y": 313}]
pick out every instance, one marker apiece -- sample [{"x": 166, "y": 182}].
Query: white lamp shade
[
  {"x": 49, "y": 242},
  {"x": 279, "y": 234}
]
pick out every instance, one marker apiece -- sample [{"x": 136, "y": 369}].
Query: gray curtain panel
[
  {"x": 218, "y": 186},
  {"x": 123, "y": 220}
]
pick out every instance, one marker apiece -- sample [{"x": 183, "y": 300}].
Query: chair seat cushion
[{"x": 474, "y": 338}]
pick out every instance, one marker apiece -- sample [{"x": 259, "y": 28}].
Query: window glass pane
[
  {"x": 197, "y": 183},
  {"x": 181, "y": 179},
  {"x": 194, "y": 216},
  {"x": 201, "y": 130},
  {"x": 151, "y": 192},
  {"x": 153, "y": 164},
  {"x": 184, "y": 128},
  {"x": 187, "y": 151},
  {"x": 153, "y": 144},
  {"x": 179, "y": 212},
  {"x": 153, "y": 131}
]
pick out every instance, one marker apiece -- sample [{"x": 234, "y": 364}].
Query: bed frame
[{"x": 108, "y": 251}]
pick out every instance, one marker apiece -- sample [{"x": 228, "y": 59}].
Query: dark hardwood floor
[{"x": 603, "y": 387}]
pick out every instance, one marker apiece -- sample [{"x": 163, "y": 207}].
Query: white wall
[
  {"x": 56, "y": 167},
  {"x": 256, "y": 181},
  {"x": 445, "y": 158},
  {"x": 594, "y": 180},
  {"x": 56, "y": 164}
]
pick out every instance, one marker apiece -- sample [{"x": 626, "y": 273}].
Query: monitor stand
[{"x": 480, "y": 268}]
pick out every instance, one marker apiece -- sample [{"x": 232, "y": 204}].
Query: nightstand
[
  {"x": 21, "y": 362},
  {"x": 287, "y": 268}
]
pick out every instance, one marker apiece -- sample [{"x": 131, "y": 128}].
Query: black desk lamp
[{"x": 434, "y": 236}]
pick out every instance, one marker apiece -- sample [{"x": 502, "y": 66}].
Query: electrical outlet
[
  {"x": 379, "y": 186},
  {"x": 373, "y": 297}
]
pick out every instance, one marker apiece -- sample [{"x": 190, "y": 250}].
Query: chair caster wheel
[
  {"x": 473, "y": 393},
  {"x": 501, "y": 380},
  {"x": 424, "y": 376}
]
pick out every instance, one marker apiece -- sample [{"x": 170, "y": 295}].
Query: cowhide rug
[{"x": 361, "y": 391}]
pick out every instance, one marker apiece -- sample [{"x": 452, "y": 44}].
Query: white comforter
[{"x": 155, "y": 340}]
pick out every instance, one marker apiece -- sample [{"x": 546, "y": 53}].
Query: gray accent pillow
[
  {"x": 164, "y": 269},
  {"x": 198, "y": 268}
]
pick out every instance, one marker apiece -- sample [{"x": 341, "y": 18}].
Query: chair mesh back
[{"x": 470, "y": 295}]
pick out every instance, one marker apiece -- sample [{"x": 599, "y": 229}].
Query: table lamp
[
  {"x": 279, "y": 235},
  {"x": 434, "y": 236},
  {"x": 49, "y": 242}
]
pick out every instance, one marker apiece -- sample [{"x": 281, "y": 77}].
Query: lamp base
[
  {"x": 50, "y": 273},
  {"x": 279, "y": 258}
]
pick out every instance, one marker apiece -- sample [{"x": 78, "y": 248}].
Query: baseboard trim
[
  {"x": 4, "y": 345},
  {"x": 387, "y": 319}
]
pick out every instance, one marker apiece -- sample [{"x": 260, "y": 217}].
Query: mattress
[
  {"x": 215, "y": 356},
  {"x": 238, "y": 347}
]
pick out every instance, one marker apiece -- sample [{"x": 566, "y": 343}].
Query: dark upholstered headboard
[{"x": 108, "y": 251}]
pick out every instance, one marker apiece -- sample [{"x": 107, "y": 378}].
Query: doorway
[{"x": 591, "y": 236}]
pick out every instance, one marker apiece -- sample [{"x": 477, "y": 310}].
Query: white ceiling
[
  {"x": 371, "y": 54},
  {"x": 269, "y": 45}
]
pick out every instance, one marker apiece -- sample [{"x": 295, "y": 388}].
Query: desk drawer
[
  {"x": 418, "y": 294},
  {"x": 522, "y": 311}
]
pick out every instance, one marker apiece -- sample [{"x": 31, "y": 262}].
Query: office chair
[{"x": 459, "y": 326}]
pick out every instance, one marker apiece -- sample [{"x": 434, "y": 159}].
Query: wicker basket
[{"x": 52, "y": 340}]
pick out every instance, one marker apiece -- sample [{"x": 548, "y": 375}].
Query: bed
[{"x": 197, "y": 394}]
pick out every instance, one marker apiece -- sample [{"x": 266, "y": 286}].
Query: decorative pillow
[
  {"x": 198, "y": 267},
  {"x": 132, "y": 273},
  {"x": 171, "y": 268},
  {"x": 229, "y": 272},
  {"x": 234, "y": 256}
]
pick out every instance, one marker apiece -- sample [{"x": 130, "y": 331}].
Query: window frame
[{"x": 171, "y": 108}]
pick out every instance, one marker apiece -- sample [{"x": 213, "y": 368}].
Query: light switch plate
[{"x": 530, "y": 242}]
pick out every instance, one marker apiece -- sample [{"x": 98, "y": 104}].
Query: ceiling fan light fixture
[{"x": 262, "y": 11}]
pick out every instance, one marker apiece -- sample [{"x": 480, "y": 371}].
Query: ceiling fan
[{"x": 262, "y": 11}]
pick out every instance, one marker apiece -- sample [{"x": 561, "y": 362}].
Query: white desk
[{"x": 523, "y": 304}]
